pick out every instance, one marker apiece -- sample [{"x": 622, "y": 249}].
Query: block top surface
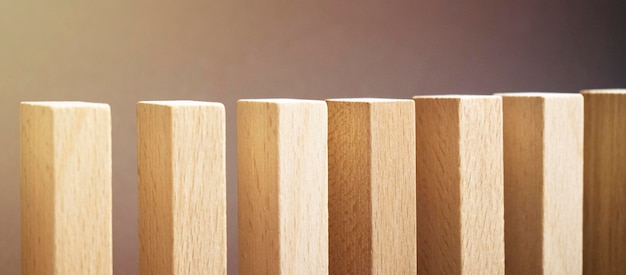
[
  {"x": 65, "y": 104},
  {"x": 605, "y": 91},
  {"x": 368, "y": 100},
  {"x": 180, "y": 103},
  {"x": 538, "y": 94},
  {"x": 282, "y": 101},
  {"x": 454, "y": 97}
]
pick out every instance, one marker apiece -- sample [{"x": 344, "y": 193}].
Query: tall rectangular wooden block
[
  {"x": 372, "y": 208},
  {"x": 283, "y": 186},
  {"x": 65, "y": 191},
  {"x": 604, "y": 234},
  {"x": 182, "y": 187},
  {"x": 460, "y": 215},
  {"x": 543, "y": 182}
]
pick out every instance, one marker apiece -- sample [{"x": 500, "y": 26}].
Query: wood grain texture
[
  {"x": 460, "y": 225},
  {"x": 283, "y": 186},
  {"x": 65, "y": 191},
  {"x": 372, "y": 220},
  {"x": 182, "y": 187},
  {"x": 543, "y": 182},
  {"x": 604, "y": 233}
]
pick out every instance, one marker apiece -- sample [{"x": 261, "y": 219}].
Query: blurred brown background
[{"x": 122, "y": 51}]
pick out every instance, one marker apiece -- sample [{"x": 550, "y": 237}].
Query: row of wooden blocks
[{"x": 440, "y": 184}]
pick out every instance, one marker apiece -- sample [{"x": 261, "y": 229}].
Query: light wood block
[
  {"x": 604, "y": 233},
  {"x": 543, "y": 182},
  {"x": 182, "y": 187},
  {"x": 372, "y": 220},
  {"x": 460, "y": 225},
  {"x": 65, "y": 191},
  {"x": 283, "y": 186}
]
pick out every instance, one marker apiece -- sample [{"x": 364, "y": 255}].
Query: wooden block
[
  {"x": 283, "y": 186},
  {"x": 460, "y": 226},
  {"x": 182, "y": 187},
  {"x": 604, "y": 233},
  {"x": 65, "y": 191},
  {"x": 371, "y": 154},
  {"x": 543, "y": 182}
]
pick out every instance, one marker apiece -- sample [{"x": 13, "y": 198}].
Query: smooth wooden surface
[
  {"x": 460, "y": 225},
  {"x": 65, "y": 191},
  {"x": 604, "y": 233},
  {"x": 372, "y": 221},
  {"x": 543, "y": 182},
  {"x": 182, "y": 187},
  {"x": 282, "y": 186}
]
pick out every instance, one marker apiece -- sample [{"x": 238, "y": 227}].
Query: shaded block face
[
  {"x": 372, "y": 221},
  {"x": 604, "y": 227},
  {"x": 65, "y": 189},
  {"x": 283, "y": 186},
  {"x": 459, "y": 185},
  {"x": 543, "y": 178},
  {"x": 182, "y": 187}
]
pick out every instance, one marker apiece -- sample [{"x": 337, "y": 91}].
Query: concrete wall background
[{"x": 120, "y": 52}]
